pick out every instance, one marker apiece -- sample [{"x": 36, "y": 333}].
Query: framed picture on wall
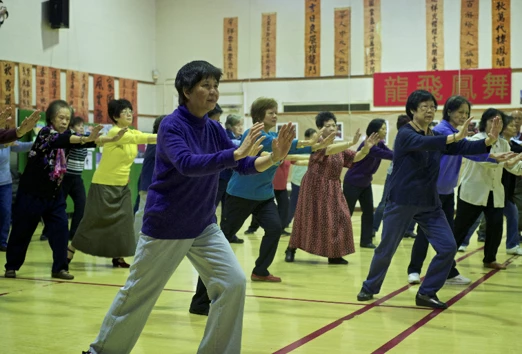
[
  {"x": 340, "y": 131},
  {"x": 296, "y": 125}
]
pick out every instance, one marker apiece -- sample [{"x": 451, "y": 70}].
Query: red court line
[
  {"x": 406, "y": 333},
  {"x": 252, "y": 296},
  {"x": 300, "y": 342},
  {"x": 19, "y": 290}
]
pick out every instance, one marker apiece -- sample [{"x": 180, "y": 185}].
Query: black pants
[
  {"x": 466, "y": 216},
  {"x": 236, "y": 211},
  {"x": 27, "y": 213},
  {"x": 365, "y": 198},
  {"x": 200, "y": 300},
  {"x": 72, "y": 185},
  {"x": 421, "y": 244},
  {"x": 283, "y": 208}
]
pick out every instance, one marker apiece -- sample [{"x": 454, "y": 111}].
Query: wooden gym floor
[{"x": 314, "y": 309}]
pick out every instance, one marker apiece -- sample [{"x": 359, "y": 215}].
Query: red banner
[
  {"x": 480, "y": 86},
  {"x": 103, "y": 94},
  {"x": 129, "y": 91},
  {"x": 42, "y": 88}
]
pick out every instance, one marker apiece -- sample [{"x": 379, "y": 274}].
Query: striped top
[{"x": 76, "y": 161}]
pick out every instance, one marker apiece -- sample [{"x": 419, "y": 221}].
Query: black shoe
[
  {"x": 201, "y": 312},
  {"x": 10, "y": 273},
  {"x": 481, "y": 238},
  {"x": 3, "y": 248},
  {"x": 289, "y": 255},
  {"x": 43, "y": 238},
  {"x": 236, "y": 239},
  {"x": 285, "y": 233},
  {"x": 339, "y": 260},
  {"x": 409, "y": 235},
  {"x": 368, "y": 245},
  {"x": 429, "y": 301},
  {"x": 249, "y": 231},
  {"x": 364, "y": 296},
  {"x": 374, "y": 233}
]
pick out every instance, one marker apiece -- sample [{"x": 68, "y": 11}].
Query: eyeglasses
[
  {"x": 126, "y": 111},
  {"x": 428, "y": 108}
]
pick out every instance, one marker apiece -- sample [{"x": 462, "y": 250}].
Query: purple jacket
[{"x": 361, "y": 173}]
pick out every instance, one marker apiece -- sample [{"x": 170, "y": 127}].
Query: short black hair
[
  {"x": 402, "y": 120},
  {"x": 487, "y": 115},
  {"x": 216, "y": 110},
  {"x": 75, "y": 121},
  {"x": 53, "y": 108},
  {"x": 323, "y": 117},
  {"x": 374, "y": 126},
  {"x": 452, "y": 104},
  {"x": 116, "y": 106},
  {"x": 416, "y": 98},
  {"x": 157, "y": 122},
  {"x": 192, "y": 73},
  {"x": 506, "y": 120},
  {"x": 309, "y": 132}
]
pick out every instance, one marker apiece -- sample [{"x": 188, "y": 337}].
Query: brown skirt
[{"x": 107, "y": 227}]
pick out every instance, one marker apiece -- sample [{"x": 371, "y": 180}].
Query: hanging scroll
[
  {"x": 25, "y": 86},
  {"x": 342, "y": 27},
  {"x": 230, "y": 48},
  {"x": 7, "y": 82},
  {"x": 469, "y": 36},
  {"x": 54, "y": 84},
  {"x": 268, "y": 45},
  {"x": 372, "y": 36},
  {"x": 501, "y": 28},
  {"x": 435, "y": 34},
  {"x": 312, "y": 38},
  {"x": 42, "y": 87}
]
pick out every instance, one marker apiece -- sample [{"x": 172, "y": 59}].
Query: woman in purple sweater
[
  {"x": 358, "y": 180},
  {"x": 180, "y": 218}
]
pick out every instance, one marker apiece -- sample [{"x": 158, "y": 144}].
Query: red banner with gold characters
[
  {"x": 312, "y": 45},
  {"x": 54, "y": 84},
  {"x": 342, "y": 27},
  {"x": 7, "y": 84},
  {"x": 103, "y": 93},
  {"x": 501, "y": 28},
  {"x": 42, "y": 87},
  {"x": 82, "y": 104},
  {"x": 480, "y": 86},
  {"x": 25, "y": 86},
  {"x": 128, "y": 90},
  {"x": 230, "y": 48}
]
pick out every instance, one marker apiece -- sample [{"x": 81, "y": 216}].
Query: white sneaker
[
  {"x": 462, "y": 248},
  {"x": 458, "y": 280},
  {"x": 515, "y": 251},
  {"x": 414, "y": 278}
]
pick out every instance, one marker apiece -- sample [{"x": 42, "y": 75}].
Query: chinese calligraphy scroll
[
  {"x": 435, "y": 34},
  {"x": 469, "y": 35},
  {"x": 230, "y": 48},
  {"x": 103, "y": 93},
  {"x": 54, "y": 84},
  {"x": 42, "y": 87},
  {"x": 480, "y": 86},
  {"x": 73, "y": 89},
  {"x": 25, "y": 86},
  {"x": 128, "y": 90},
  {"x": 342, "y": 41},
  {"x": 7, "y": 82},
  {"x": 82, "y": 105},
  {"x": 312, "y": 38},
  {"x": 501, "y": 28},
  {"x": 268, "y": 45},
  {"x": 372, "y": 36}
]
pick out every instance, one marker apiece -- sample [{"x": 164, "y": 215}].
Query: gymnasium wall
[{"x": 110, "y": 37}]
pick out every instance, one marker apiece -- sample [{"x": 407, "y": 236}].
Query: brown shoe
[
  {"x": 268, "y": 278},
  {"x": 494, "y": 265},
  {"x": 63, "y": 274}
]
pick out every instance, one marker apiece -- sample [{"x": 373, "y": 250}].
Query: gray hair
[{"x": 233, "y": 120}]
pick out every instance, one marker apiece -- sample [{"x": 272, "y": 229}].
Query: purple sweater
[
  {"x": 361, "y": 173},
  {"x": 190, "y": 154}
]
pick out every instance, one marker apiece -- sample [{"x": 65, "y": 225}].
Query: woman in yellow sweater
[{"x": 106, "y": 229}]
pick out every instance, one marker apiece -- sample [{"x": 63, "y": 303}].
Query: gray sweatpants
[{"x": 154, "y": 263}]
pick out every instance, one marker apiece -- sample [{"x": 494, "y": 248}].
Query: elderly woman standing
[
  {"x": 39, "y": 194},
  {"x": 107, "y": 227},
  {"x": 321, "y": 203},
  {"x": 357, "y": 184},
  {"x": 180, "y": 219}
]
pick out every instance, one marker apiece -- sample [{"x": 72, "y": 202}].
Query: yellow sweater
[{"x": 117, "y": 158}]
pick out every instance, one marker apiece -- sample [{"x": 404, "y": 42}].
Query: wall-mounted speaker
[{"x": 59, "y": 13}]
